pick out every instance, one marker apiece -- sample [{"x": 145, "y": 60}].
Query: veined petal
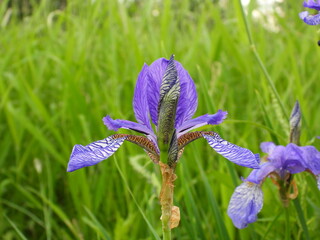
[
  {"x": 140, "y": 102},
  {"x": 312, "y": 4},
  {"x": 310, "y": 19},
  {"x": 115, "y": 124},
  {"x": 187, "y": 103},
  {"x": 84, "y": 156},
  {"x": 257, "y": 176},
  {"x": 232, "y": 152},
  {"x": 246, "y": 202},
  {"x": 212, "y": 119}
]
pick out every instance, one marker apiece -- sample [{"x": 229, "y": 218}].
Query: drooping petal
[
  {"x": 267, "y": 147},
  {"x": 310, "y": 19},
  {"x": 212, "y": 119},
  {"x": 140, "y": 101},
  {"x": 246, "y": 202},
  {"x": 312, "y": 4},
  {"x": 232, "y": 152},
  {"x": 257, "y": 176},
  {"x": 115, "y": 124},
  {"x": 84, "y": 156},
  {"x": 187, "y": 103}
]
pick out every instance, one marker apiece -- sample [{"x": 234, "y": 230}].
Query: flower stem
[
  {"x": 166, "y": 199},
  {"x": 287, "y": 236}
]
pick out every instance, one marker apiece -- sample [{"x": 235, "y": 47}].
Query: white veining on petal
[{"x": 246, "y": 202}]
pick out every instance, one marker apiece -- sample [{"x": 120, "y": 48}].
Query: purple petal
[
  {"x": 155, "y": 74},
  {"x": 233, "y": 153},
  {"x": 312, "y": 4},
  {"x": 293, "y": 159},
  {"x": 212, "y": 119},
  {"x": 267, "y": 147},
  {"x": 140, "y": 102},
  {"x": 311, "y": 158},
  {"x": 310, "y": 19},
  {"x": 258, "y": 175},
  {"x": 246, "y": 202},
  {"x": 84, "y": 156},
  {"x": 187, "y": 103},
  {"x": 118, "y": 123}
]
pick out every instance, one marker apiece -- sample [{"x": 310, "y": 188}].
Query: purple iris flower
[
  {"x": 282, "y": 161},
  {"x": 311, "y": 19},
  {"x": 166, "y": 95}
]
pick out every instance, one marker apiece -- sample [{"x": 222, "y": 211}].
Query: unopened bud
[{"x": 295, "y": 123}]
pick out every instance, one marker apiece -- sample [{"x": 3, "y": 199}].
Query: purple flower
[
  {"x": 311, "y": 19},
  {"x": 166, "y": 95},
  {"x": 282, "y": 161}
]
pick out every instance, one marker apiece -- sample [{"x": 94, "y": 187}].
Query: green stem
[
  {"x": 166, "y": 199},
  {"x": 257, "y": 56},
  {"x": 287, "y": 236}
]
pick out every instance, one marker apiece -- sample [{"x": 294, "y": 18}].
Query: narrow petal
[
  {"x": 267, "y": 147},
  {"x": 246, "y": 202},
  {"x": 140, "y": 101},
  {"x": 232, "y": 152},
  {"x": 115, "y": 124},
  {"x": 258, "y": 175},
  {"x": 212, "y": 119},
  {"x": 312, "y": 4},
  {"x": 84, "y": 156},
  {"x": 318, "y": 181},
  {"x": 187, "y": 103},
  {"x": 310, "y": 19}
]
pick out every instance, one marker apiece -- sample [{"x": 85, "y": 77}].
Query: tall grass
[{"x": 62, "y": 70}]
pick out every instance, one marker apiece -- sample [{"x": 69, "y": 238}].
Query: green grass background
[{"x": 63, "y": 68}]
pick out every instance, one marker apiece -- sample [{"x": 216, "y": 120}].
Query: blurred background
[{"x": 66, "y": 64}]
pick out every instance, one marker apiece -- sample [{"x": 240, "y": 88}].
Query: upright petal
[
  {"x": 84, "y": 156},
  {"x": 245, "y": 204},
  {"x": 155, "y": 75},
  {"x": 293, "y": 159},
  {"x": 212, "y": 119},
  {"x": 187, "y": 103},
  {"x": 257, "y": 176},
  {"x": 140, "y": 101},
  {"x": 232, "y": 152},
  {"x": 267, "y": 147}
]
